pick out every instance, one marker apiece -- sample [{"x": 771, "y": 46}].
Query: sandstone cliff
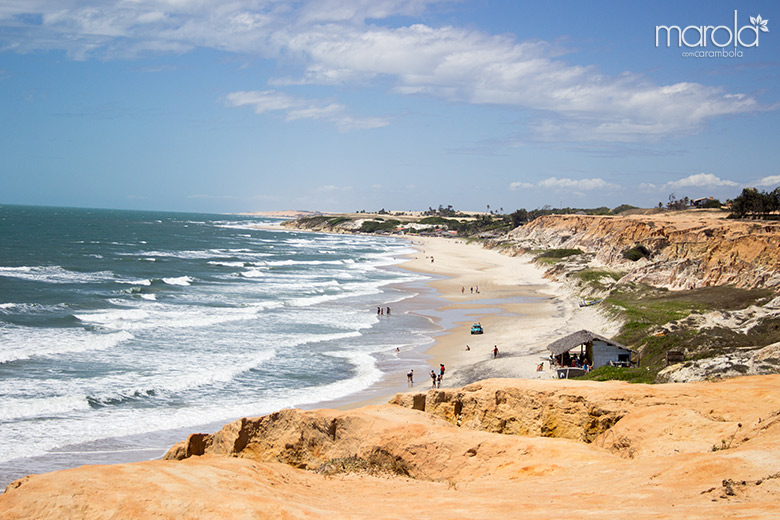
[
  {"x": 495, "y": 449},
  {"x": 687, "y": 250}
]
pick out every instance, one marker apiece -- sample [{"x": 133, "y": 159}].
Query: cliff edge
[
  {"x": 680, "y": 251},
  {"x": 494, "y": 449}
]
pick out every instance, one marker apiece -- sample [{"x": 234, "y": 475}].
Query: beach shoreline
[
  {"x": 512, "y": 295},
  {"x": 520, "y": 310}
]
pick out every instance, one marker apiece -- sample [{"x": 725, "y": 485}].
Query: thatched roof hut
[{"x": 600, "y": 350}]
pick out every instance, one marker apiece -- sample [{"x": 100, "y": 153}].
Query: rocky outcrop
[
  {"x": 686, "y": 251},
  {"x": 598, "y": 413},
  {"x": 747, "y": 361},
  {"x": 325, "y": 224},
  {"x": 567, "y": 413},
  {"x": 567, "y": 448}
]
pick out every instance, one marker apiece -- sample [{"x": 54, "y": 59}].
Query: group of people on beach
[
  {"x": 474, "y": 289},
  {"x": 381, "y": 312},
  {"x": 436, "y": 378}
]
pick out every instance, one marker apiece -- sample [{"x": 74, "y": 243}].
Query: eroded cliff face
[
  {"x": 492, "y": 450},
  {"x": 687, "y": 250},
  {"x": 633, "y": 421},
  {"x": 587, "y": 412}
]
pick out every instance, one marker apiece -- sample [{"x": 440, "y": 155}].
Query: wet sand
[{"x": 521, "y": 313}]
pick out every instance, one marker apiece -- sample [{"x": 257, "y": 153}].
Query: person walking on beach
[
  {"x": 441, "y": 369},
  {"x": 495, "y": 351},
  {"x": 433, "y": 379},
  {"x": 410, "y": 377}
]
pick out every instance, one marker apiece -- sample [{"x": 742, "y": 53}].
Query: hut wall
[{"x": 603, "y": 353}]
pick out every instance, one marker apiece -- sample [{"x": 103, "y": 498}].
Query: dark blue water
[{"x": 119, "y": 323}]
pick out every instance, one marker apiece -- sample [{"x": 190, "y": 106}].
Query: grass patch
[
  {"x": 632, "y": 375},
  {"x": 560, "y": 253},
  {"x": 440, "y": 221},
  {"x": 338, "y": 220},
  {"x": 548, "y": 261},
  {"x": 313, "y": 221},
  {"x": 646, "y": 309},
  {"x": 372, "y": 226},
  {"x": 594, "y": 275}
]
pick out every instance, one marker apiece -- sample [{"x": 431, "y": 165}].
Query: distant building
[
  {"x": 698, "y": 203},
  {"x": 593, "y": 349}
]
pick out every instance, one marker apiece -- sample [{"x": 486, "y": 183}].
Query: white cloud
[
  {"x": 470, "y": 66},
  {"x": 772, "y": 180},
  {"x": 263, "y": 101},
  {"x": 707, "y": 180},
  {"x": 566, "y": 183},
  {"x": 335, "y": 45},
  {"x": 577, "y": 184}
]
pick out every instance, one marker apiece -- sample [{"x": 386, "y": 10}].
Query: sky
[{"x": 345, "y": 105}]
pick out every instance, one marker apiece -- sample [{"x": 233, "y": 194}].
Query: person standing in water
[{"x": 410, "y": 377}]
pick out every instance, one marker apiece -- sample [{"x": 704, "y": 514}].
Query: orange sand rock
[
  {"x": 590, "y": 450},
  {"x": 688, "y": 249}
]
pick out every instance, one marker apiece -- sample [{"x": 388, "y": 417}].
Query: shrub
[
  {"x": 594, "y": 275},
  {"x": 560, "y": 253},
  {"x": 636, "y": 252},
  {"x": 338, "y": 220},
  {"x": 631, "y": 375},
  {"x": 622, "y": 208},
  {"x": 372, "y": 226}
]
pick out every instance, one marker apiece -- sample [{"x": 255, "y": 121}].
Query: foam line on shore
[{"x": 521, "y": 311}]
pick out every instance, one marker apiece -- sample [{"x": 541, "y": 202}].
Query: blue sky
[{"x": 251, "y": 105}]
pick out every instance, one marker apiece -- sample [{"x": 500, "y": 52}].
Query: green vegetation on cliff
[{"x": 658, "y": 320}]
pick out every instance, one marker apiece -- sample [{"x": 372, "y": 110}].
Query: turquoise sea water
[{"x": 118, "y": 327}]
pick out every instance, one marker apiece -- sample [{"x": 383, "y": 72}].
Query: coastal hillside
[
  {"x": 491, "y": 450},
  {"x": 689, "y": 282},
  {"x": 684, "y": 250},
  {"x": 674, "y": 250}
]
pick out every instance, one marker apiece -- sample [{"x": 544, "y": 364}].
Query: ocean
[{"x": 123, "y": 331}]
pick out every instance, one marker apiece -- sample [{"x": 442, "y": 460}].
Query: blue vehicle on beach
[{"x": 477, "y": 328}]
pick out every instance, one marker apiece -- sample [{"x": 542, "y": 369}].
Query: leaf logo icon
[{"x": 760, "y": 23}]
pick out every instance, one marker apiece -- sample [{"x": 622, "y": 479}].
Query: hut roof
[{"x": 578, "y": 338}]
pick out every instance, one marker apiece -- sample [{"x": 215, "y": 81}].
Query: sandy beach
[
  {"x": 529, "y": 447},
  {"x": 520, "y": 310}
]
